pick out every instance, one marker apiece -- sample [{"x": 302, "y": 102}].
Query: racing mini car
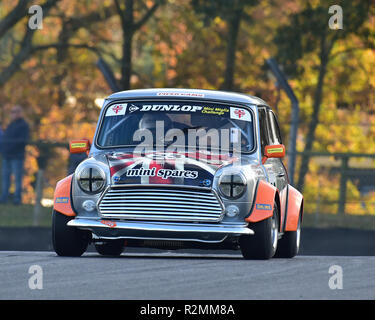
[{"x": 180, "y": 168}]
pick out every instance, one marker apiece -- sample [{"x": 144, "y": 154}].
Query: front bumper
[{"x": 115, "y": 229}]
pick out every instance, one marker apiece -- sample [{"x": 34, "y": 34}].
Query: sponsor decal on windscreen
[
  {"x": 195, "y": 134},
  {"x": 116, "y": 110},
  {"x": 240, "y": 114}
]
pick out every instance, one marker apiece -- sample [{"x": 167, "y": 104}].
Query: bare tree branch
[
  {"x": 348, "y": 50},
  {"x": 14, "y": 16},
  {"x": 26, "y": 48},
  {"x": 147, "y": 15},
  {"x": 70, "y": 26},
  {"x": 19, "y": 12},
  {"x": 120, "y": 11},
  {"x": 21, "y": 56},
  {"x": 77, "y": 22},
  {"x": 60, "y": 45}
]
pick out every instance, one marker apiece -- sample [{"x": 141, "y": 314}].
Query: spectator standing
[
  {"x": 1, "y": 137},
  {"x": 13, "y": 145}
]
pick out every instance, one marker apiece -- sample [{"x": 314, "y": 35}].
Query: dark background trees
[{"x": 197, "y": 44}]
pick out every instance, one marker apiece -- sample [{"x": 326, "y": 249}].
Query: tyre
[
  {"x": 110, "y": 247},
  {"x": 262, "y": 244},
  {"x": 288, "y": 246},
  {"x": 68, "y": 241}
]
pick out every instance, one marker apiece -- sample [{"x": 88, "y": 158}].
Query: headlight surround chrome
[
  {"x": 91, "y": 179},
  {"x": 232, "y": 185}
]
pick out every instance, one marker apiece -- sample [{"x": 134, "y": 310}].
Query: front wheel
[
  {"x": 263, "y": 244},
  {"x": 68, "y": 241}
]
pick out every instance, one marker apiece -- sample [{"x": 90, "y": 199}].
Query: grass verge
[{"x": 23, "y": 216}]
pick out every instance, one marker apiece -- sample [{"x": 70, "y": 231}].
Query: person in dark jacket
[
  {"x": 1, "y": 137},
  {"x": 13, "y": 145}
]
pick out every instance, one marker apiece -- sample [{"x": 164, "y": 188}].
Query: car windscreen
[{"x": 177, "y": 123}]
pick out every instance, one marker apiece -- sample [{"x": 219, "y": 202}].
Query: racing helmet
[{"x": 150, "y": 119}]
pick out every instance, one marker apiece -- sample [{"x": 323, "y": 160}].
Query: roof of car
[{"x": 168, "y": 93}]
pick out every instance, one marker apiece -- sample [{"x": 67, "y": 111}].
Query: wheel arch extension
[
  {"x": 62, "y": 199},
  {"x": 290, "y": 206},
  {"x": 293, "y": 208},
  {"x": 264, "y": 198},
  {"x": 278, "y": 202}
]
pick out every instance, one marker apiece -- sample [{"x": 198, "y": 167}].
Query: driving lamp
[
  {"x": 232, "y": 186},
  {"x": 91, "y": 180}
]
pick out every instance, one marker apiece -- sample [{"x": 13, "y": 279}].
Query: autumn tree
[
  {"x": 232, "y": 12},
  {"x": 307, "y": 35},
  {"x": 52, "y": 72},
  {"x": 133, "y": 16},
  {"x": 26, "y": 49}
]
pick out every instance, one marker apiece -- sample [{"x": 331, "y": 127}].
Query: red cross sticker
[
  {"x": 117, "y": 109},
  {"x": 240, "y": 113}
]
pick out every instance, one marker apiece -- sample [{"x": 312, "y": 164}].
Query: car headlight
[
  {"x": 91, "y": 179},
  {"x": 232, "y": 186}
]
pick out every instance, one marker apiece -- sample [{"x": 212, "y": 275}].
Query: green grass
[{"x": 23, "y": 216}]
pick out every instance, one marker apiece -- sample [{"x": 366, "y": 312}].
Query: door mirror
[
  {"x": 79, "y": 146},
  {"x": 274, "y": 151}
]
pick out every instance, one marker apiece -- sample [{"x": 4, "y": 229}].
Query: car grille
[{"x": 161, "y": 204}]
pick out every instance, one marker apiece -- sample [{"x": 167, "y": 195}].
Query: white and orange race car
[{"x": 178, "y": 168}]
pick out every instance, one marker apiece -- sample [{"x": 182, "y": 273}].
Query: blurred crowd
[{"x": 13, "y": 140}]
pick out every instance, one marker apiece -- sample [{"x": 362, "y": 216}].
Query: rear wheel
[
  {"x": 263, "y": 244},
  {"x": 289, "y": 244},
  {"x": 68, "y": 241},
  {"x": 110, "y": 247}
]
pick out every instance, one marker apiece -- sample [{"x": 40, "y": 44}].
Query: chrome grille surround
[{"x": 161, "y": 203}]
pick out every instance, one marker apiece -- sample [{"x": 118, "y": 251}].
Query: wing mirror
[
  {"x": 274, "y": 151},
  {"x": 79, "y": 146}
]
